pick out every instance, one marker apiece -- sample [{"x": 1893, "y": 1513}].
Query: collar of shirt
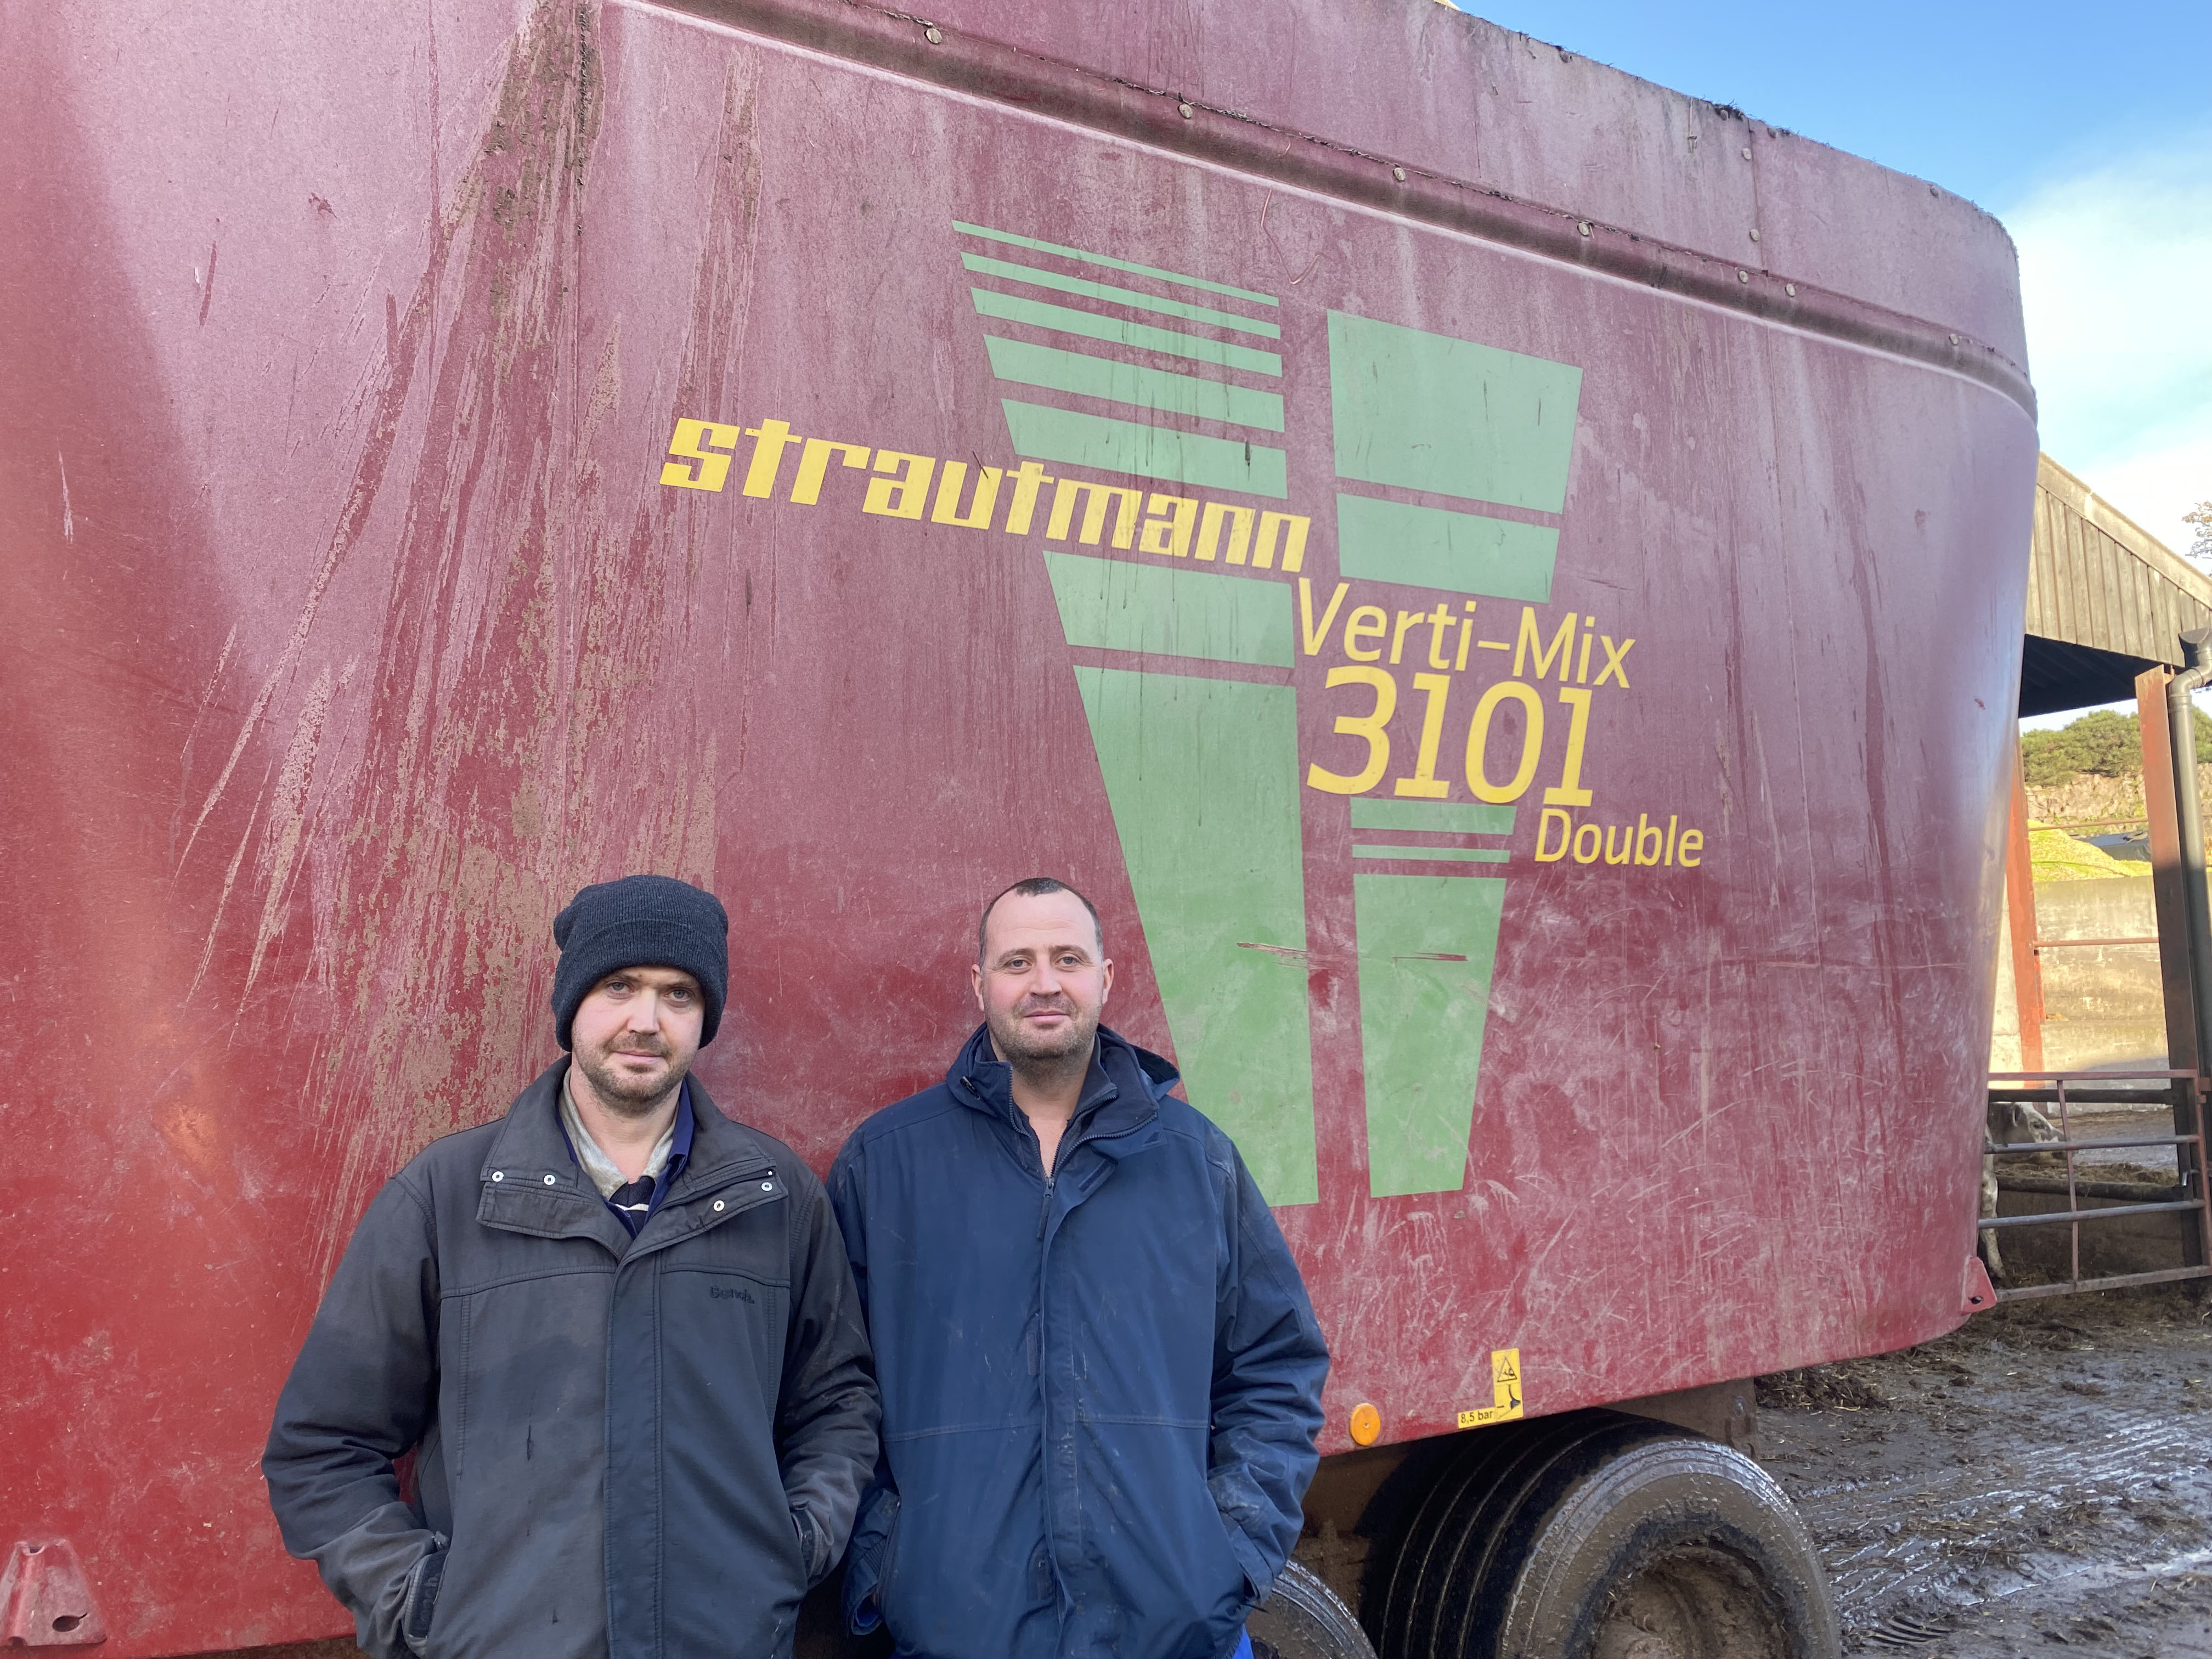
[{"x": 666, "y": 1161}]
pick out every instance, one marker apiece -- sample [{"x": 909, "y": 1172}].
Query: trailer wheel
[
  {"x": 1302, "y": 1618},
  {"x": 1595, "y": 1535}
]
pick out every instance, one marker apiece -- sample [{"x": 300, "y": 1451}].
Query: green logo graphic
[{"x": 1201, "y": 764}]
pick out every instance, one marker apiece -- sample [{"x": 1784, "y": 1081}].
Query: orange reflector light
[{"x": 1366, "y": 1424}]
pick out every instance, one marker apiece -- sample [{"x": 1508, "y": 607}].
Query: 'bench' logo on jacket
[{"x": 730, "y": 1293}]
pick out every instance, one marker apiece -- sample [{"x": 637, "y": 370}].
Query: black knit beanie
[{"x": 640, "y": 921}]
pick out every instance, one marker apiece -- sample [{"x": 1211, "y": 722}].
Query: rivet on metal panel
[
  {"x": 1954, "y": 339},
  {"x": 45, "y": 1600},
  {"x": 1754, "y": 235},
  {"x": 1399, "y": 173},
  {"x": 934, "y": 35},
  {"x": 1744, "y": 276},
  {"x": 1187, "y": 111},
  {"x": 1746, "y": 152},
  {"x": 1789, "y": 288},
  {"x": 1584, "y": 226}
]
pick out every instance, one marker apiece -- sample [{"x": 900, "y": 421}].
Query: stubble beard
[
  {"x": 623, "y": 1095},
  {"x": 1051, "y": 1056}
]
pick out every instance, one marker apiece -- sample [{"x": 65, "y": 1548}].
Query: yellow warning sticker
[{"x": 1505, "y": 1388}]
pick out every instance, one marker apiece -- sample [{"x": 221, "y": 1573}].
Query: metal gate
[{"x": 2056, "y": 1094}]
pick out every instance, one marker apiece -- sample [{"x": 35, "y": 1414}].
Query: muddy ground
[{"x": 2037, "y": 1482}]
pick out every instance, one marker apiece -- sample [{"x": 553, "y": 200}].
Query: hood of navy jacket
[
  {"x": 1101, "y": 1385},
  {"x": 627, "y": 1448}
]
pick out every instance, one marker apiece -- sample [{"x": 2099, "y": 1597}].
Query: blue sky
[
  {"x": 2086, "y": 129},
  {"x": 1990, "y": 100}
]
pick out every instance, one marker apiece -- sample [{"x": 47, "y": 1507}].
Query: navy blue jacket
[{"x": 1101, "y": 1389}]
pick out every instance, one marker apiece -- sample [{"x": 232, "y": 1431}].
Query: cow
[{"x": 2011, "y": 1123}]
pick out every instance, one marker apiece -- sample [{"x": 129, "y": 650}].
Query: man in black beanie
[{"x": 617, "y": 1329}]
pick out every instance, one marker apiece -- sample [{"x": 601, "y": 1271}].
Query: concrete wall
[
  {"x": 2004, "y": 1028},
  {"x": 2101, "y": 1004}
]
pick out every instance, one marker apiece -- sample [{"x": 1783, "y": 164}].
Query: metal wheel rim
[{"x": 1694, "y": 1602}]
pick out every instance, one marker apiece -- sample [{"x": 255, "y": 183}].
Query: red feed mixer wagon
[{"x": 1503, "y": 581}]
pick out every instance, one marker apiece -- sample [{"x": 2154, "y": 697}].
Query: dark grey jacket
[{"x": 640, "y": 1448}]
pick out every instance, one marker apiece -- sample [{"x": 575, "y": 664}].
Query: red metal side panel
[
  {"x": 1435, "y": 88},
  {"x": 353, "y": 626}
]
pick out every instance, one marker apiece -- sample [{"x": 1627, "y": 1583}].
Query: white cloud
[{"x": 2116, "y": 266}]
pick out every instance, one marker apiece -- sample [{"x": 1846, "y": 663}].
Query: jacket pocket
[
  {"x": 420, "y": 1605},
  {"x": 1235, "y": 1499}
]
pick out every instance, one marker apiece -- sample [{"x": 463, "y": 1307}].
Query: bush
[{"x": 2102, "y": 743}]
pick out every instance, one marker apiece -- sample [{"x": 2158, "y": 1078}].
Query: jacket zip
[
  {"x": 1044, "y": 1205},
  {"x": 1051, "y": 1177},
  {"x": 1044, "y": 1379},
  {"x": 1044, "y": 1349}
]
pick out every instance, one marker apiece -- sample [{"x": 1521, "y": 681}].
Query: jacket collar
[
  {"x": 1120, "y": 1110},
  {"x": 532, "y": 1185}
]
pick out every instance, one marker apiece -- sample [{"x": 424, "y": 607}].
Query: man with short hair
[
  {"x": 618, "y": 1331},
  {"x": 1101, "y": 1375}
]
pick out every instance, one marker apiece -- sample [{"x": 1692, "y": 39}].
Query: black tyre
[
  {"x": 1302, "y": 1618},
  {"x": 1595, "y": 1535},
  {"x": 1426, "y": 1604}
]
